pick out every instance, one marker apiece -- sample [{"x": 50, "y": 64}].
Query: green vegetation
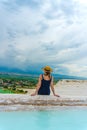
[
  {"x": 55, "y": 81},
  {"x": 5, "y": 91},
  {"x": 16, "y": 83},
  {"x": 10, "y": 91}
]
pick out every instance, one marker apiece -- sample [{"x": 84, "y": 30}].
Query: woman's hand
[
  {"x": 33, "y": 94},
  {"x": 56, "y": 95}
]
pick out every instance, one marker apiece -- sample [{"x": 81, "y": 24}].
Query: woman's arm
[
  {"x": 38, "y": 86},
  {"x": 52, "y": 88}
]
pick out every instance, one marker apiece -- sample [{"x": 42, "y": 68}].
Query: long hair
[{"x": 48, "y": 73}]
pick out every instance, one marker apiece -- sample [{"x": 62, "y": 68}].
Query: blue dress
[{"x": 45, "y": 87}]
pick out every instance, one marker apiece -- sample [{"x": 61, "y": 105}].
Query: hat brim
[{"x": 47, "y": 69}]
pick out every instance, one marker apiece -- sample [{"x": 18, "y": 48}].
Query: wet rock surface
[
  {"x": 72, "y": 94},
  {"x": 15, "y": 102}
]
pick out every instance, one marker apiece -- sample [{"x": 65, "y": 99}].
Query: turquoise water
[{"x": 44, "y": 120}]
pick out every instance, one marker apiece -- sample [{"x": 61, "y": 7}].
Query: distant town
[{"x": 16, "y": 83}]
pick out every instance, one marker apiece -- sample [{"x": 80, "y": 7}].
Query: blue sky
[{"x": 35, "y": 33}]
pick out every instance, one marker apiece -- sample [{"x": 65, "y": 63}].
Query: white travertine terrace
[{"x": 72, "y": 93}]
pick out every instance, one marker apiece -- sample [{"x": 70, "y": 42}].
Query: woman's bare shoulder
[{"x": 40, "y": 76}]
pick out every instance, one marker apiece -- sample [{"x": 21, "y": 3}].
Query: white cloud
[
  {"x": 84, "y": 2},
  {"x": 53, "y": 33},
  {"x": 76, "y": 69}
]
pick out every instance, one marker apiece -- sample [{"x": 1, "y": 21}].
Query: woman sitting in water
[{"x": 45, "y": 82}]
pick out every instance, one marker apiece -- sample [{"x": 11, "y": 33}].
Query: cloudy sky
[{"x": 35, "y": 33}]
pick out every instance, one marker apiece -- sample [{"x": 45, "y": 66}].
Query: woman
[{"x": 44, "y": 83}]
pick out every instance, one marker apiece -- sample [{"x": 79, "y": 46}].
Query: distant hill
[
  {"x": 35, "y": 73},
  {"x": 59, "y": 76}
]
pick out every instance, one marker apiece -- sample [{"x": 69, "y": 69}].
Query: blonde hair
[{"x": 48, "y": 73}]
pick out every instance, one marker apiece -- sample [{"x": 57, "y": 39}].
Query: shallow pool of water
[{"x": 70, "y": 119}]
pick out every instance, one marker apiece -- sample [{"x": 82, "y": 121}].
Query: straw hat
[{"x": 47, "y": 68}]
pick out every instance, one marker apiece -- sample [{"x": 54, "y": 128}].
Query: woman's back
[
  {"x": 45, "y": 81},
  {"x": 45, "y": 85}
]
